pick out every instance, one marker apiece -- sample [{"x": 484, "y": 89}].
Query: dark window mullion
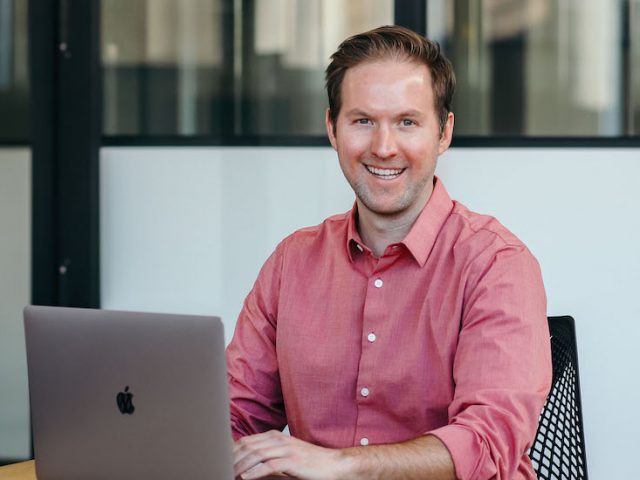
[
  {"x": 66, "y": 111},
  {"x": 79, "y": 133},
  {"x": 42, "y": 105},
  {"x": 411, "y": 14}
]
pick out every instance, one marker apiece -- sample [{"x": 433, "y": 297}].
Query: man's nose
[{"x": 383, "y": 144}]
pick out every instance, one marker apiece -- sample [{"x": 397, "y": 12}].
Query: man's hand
[{"x": 274, "y": 452}]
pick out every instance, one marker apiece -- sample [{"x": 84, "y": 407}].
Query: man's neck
[{"x": 379, "y": 231}]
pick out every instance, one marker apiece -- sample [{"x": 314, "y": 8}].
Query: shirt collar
[
  {"x": 422, "y": 236},
  {"x": 355, "y": 246}
]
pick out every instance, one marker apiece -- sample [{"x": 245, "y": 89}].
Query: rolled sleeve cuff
[
  {"x": 236, "y": 435},
  {"x": 470, "y": 455}
]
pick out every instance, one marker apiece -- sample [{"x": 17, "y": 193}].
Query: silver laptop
[{"x": 127, "y": 395}]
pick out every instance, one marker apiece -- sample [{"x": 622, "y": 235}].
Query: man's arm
[
  {"x": 274, "y": 452},
  {"x": 254, "y": 382},
  {"x": 502, "y": 367}
]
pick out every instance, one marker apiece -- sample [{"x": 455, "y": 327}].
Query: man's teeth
[{"x": 385, "y": 172}]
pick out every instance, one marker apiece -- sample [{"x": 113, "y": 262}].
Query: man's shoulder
[
  {"x": 332, "y": 229},
  {"x": 474, "y": 225},
  {"x": 480, "y": 241},
  {"x": 335, "y": 222}
]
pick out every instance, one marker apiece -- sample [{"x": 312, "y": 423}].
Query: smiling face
[{"x": 387, "y": 136}]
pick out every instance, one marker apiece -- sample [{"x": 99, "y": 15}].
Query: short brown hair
[{"x": 396, "y": 43}]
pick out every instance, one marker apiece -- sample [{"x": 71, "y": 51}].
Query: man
[{"x": 408, "y": 337}]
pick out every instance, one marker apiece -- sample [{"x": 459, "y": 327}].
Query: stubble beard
[{"x": 397, "y": 207}]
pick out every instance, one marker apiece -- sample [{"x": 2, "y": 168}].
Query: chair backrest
[{"x": 558, "y": 451}]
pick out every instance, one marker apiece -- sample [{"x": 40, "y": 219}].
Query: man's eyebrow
[
  {"x": 356, "y": 112},
  {"x": 410, "y": 113}
]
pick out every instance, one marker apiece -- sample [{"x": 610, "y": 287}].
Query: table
[
  {"x": 27, "y": 471},
  {"x": 19, "y": 471}
]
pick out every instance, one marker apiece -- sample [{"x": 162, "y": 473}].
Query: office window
[
  {"x": 542, "y": 67},
  {"x": 224, "y": 67},
  {"x": 634, "y": 67},
  {"x": 14, "y": 88}
]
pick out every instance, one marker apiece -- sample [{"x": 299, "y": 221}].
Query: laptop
[{"x": 127, "y": 395}]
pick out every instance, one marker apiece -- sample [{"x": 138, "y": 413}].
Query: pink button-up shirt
[{"x": 445, "y": 334}]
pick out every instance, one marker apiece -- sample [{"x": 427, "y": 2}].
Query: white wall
[
  {"x": 186, "y": 230},
  {"x": 15, "y": 292}
]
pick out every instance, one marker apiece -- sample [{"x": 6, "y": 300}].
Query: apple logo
[{"x": 124, "y": 400}]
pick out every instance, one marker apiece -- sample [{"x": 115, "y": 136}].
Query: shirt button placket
[{"x": 371, "y": 338}]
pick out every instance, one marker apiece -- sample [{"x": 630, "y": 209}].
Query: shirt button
[
  {"x": 371, "y": 337},
  {"x": 378, "y": 283},
  {"x": 364, "y": 441},
  {"x": 364, "y": 392}
]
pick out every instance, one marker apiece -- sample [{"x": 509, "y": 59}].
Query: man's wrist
[
  {"x": 349, "y": 463},
  {"x": 417, "y": 458}
]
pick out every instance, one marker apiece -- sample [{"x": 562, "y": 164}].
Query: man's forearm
[
  {"x": 273, "y": 452},
  {"x": 421, "y": 458}
]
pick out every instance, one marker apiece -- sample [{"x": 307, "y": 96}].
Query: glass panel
[
  {"x": 534, "y": 67},
  {"x": 14, "y": 71},
  {"x": 224, "y": 67},
  {"x": 634, "y": 68},
  {"x": 285, "y": 61},
  {"x": 163, "y": 63},
  {"x": 15, "y": 293}
]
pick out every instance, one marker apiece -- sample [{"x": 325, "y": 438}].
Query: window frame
[{"x": 412, "y": 14}]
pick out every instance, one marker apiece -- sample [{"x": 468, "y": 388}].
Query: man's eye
[
  {"x": 407, "y": 123},
  {"x": 363, "y": 121}
]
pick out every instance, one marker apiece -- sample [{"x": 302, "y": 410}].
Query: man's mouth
[{"x": 385, "y": 173}]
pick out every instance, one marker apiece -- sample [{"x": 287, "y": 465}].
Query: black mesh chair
[{"x": 558, "y": 451}]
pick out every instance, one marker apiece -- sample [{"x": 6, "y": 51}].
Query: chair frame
[{"x": 564, "y": 459}]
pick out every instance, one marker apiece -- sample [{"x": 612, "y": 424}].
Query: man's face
[{"x": 387, "y": 136}]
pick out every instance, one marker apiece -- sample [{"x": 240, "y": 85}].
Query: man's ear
[
  {"x": 447, "y": 134},
  {"x": 331, "y": 133}
]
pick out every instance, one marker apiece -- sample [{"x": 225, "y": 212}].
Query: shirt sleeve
[
  {"x": 254, "y": 383},
  {"x": 502, "y": 369}
]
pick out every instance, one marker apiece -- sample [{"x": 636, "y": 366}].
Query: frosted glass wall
[{"x": 15, "y": 288}]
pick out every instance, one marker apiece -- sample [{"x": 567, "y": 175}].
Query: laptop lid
[{"x": 127, "y": 395}]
